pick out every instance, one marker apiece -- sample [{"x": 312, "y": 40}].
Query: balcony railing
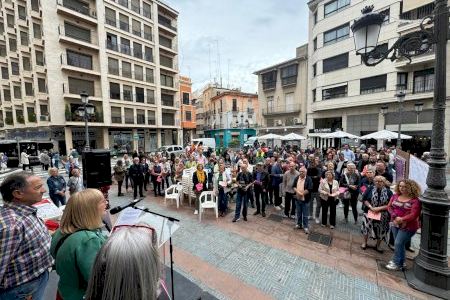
[
  {"x": 423, "y": 85},
  {"x": 289, "y": 80},
  {"x": 282, "y": 109},
  {"x": 269, "y": 85},
  {"x": 76, "y": 61},
  {"x": 167, "y": 102},
  {"x": 166, "y": 22},
  {"x": 79, "y": 8},
  {"x": 112, "y": 22},
  {"x": 78, "y": 35},
  {"x": 116, "y": 120}
]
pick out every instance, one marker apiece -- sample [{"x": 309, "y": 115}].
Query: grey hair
[
  {"x": 126, "y": 267},
  {"x": 14, "y": 182}
]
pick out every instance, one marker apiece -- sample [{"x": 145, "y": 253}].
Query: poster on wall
[{"x": 418, "y": 171}]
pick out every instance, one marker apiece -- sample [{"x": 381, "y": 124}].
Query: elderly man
[
  {"x": 302, "y": 187},
  {"x": 260, "y": 184},
  {"x": 288, "y": 188},
  {"x": 24, "y": 239},
  {"x": 244, "y": 180},
  {"x": 136, "y": 173}
]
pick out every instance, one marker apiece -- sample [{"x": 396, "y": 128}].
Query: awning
[{"x": 318, "y": 134}]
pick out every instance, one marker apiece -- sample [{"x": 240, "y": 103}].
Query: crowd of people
[{"x": 305, "y": 185}]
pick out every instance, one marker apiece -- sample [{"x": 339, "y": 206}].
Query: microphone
[{"x": 118, "y": 209}]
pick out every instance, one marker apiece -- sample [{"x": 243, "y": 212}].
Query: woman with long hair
[
  {"x": 404, "y": 208},
  {"x": 130, "y": 250},
  {"x": 200, "y": 180},
  {"x": 76, "y": 243}
]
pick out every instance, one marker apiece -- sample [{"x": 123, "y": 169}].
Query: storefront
[{"x": 230, "y": 138}]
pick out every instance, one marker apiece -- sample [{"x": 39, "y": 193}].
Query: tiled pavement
[{"x": 279, "y": 261}]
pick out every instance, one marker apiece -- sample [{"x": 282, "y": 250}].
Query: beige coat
[{"x": 324, "y": 189}]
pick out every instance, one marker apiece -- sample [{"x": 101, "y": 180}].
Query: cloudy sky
[{"x": 249, "y": 34}]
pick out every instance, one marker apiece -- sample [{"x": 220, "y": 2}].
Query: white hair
[{"x": 126, "y": 267}]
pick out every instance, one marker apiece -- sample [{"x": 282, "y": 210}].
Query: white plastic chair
[
  {"x": 174, "y": 193},
  {"x": 208, "y": 200}
]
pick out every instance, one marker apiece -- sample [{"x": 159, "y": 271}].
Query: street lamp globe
[
  {"x": 80, "y": 111},
  {"x": 366, "y": 30},
  {"x": 90, "y": 109},
  {"x": 84, "y": 97},
  {"x": 418, "y": 107},
  {"x": 384, "y": 109}
]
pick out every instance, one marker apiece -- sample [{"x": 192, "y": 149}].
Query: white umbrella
[
  {"x": 340, "y": 135},
  {"x": 293, "y": 137},
  {"x": 270, "y": 136},
  {"x": 385, "y": 135}
]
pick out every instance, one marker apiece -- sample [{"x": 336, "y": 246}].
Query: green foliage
[{"x": 68, "y": 113}]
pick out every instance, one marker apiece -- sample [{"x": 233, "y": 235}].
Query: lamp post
[
  {"x": 400, "y": 98},
  {"x": 384, "y": 111},
  {"x": 84, "y": 112},
  {"x": 418, "y": 107},
  {"x": 430, "y": 273}
]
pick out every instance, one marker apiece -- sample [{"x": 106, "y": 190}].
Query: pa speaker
[{"x": 97, "y": 168}]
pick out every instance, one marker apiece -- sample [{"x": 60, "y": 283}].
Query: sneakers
[
  {"x": 196, "y": 212},
  {"x": 317, "y": 221},
  {"x": 331, "y": 227},
  {"x": 306, "y": 231},
  {"x": 256, "y": 213},
  {"x": 298, "y": 227},
  {"x": 263, "y": 214},
  {"x": 392, "y": 266},
  {"x": 277, "y": 208},
  {"x": 245, "y": 219},
  {"x": 235, "y": 220}
]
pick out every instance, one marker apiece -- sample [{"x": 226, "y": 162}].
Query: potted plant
[
  {"x": 20, "y": 119},
  {"x": 68, "y": 113},
  {"x": 32, "y": 118},
  {"x": 9, "y": 121}
]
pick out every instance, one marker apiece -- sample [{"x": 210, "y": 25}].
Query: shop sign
[{"x": 322, "y": 130}]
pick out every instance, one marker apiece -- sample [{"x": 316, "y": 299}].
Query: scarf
[
  {"x": 201, "y": 176},
  {"x": 379, "y": 201}
]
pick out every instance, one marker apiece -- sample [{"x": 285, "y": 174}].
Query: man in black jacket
[
  {"x": 136, "y": 173},
  {"x": 244, "y": 180},
  {"x": 260, "y": 185},
  {"x": 303, "y": 186}
]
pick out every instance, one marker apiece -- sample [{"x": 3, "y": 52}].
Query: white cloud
[{"x": 251, "y": 34}]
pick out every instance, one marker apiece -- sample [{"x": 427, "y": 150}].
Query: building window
[
  {"x": 10, "y": 20},
  {"x": 37, "y": 32},
  {"x": 44, "y": 112},
  {"x": 165, "y": 41},
  {"x": 374, "y": 84},
  {"x": 385, "y": 13},
  {"x": 114, "y": 90},
  {"x": 125, "y": 46},
  {"x": 269, "y": 80},
  {"x": 129, "y": 116},
  {"x": 140, "y": 116},
  {"x": 166, "y": 61},
  {"x": 126, "y": 69},
  {"x": 335, "y": 63},
  {"x": 136, "y": 25},
  {"x": 148, "y": 33},
  {"x": 314, "y": 95},
  {"x": 148, "y": 56},
  {"x": 423, "y": 81},
  {"x": 270, "y": 104},
  {"x": 26, "y": 63},
  {"x": 138, "y": 72},
  {"x": 315, "y": 44},
  {"x": 127, "y": 93},
  {"x": 315, "y": 17},
  {"x": 137, "y": 50},
  {"x": 149, "y": 76},
  {"x": 116, "y": 115},
  {"x": 2, "y": 27},
  {"x": 168, "y": 119},
  {"x": 123, "y": 22},
  {"x": 402, "y": 80},
  {"x": 167, "y": 100},
  {"x": 17, "y": 92},
  {"x": 2, "y": 50},
  {"x": 76, "y": 86},
  {"x": 335, "y": 92},
  {"x": 5, "y": 73},
  {"x": 135, "y": 6},
  {"x": 111, "y": 42},
  {"x": 15, "y": 68},
  {"x": 41, "y": 85},
  {"x": 150, "y": 96},
  {"x": 77, "y": 32},
  {"x": 113, "y": 66},
  {"x": 335, "y": 6},
  {"x": 147, "y": 10},
  {"x": 139, "y": 95},
  {"x": 314, "y": 70},
  {"x": 29, "y": 89},
  {"x": 110, "y": 16},
  {"x": 336, "y": 34},
  {"x": 7, "y": 95},
  {"x": 188, "y": 116},
  {"x": 35, "y": 5},
  {"x": 12, "y": 45},
  {"x": 22, "y": 12},
  {"x": 79, "y": 60},
  {"x": 186, "y": 97},
  {"x": 166, "y": 80},
  {"x": 235, "y": 105},
  {"x": 151, "y": 117},
  {"x": 39, "y": 58},
  {"x": 289, "y": 75}
]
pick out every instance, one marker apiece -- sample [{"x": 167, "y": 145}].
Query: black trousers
[
  {"x": 138, "y": 184},
  {"x": 288, "y": 201},
  {"x": 325, "y": 205},
  {"x": 119, "y": 187},
  {"x": 260, "y": 199},
  {"x": 276, "y": 195},
  {"x": 251, "y": 197},
  {"x": 127, "y": 177},
  {"x": 353, "y": 201},
  {"x": 146, "y": 180},
  {"x": 156, "y": 187},
  {"x": 270, "y": 194}
]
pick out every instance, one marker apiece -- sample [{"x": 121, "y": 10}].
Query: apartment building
[
  {"x": 282, "y": 90},
  {"x": 188, "y": 111},
  {"x": 345, "y": 94},
  {"x": 123, "y": 53}
]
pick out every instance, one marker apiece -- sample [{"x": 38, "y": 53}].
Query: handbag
[
  {"x": 199, "y": 187},
  {"x": 159, "y": 179}
]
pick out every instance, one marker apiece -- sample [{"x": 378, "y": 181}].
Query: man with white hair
[
  {"x": 244, "y": 180},
  {"x": 302, "y": 187}
]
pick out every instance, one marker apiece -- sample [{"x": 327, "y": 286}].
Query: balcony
[
  {"x": 77, "y": 38},
  {"x": 288, "y": 81},
  {"x": 417, "y": 61},
  {"x": 74, "y": 8},
  {"x": 78, "y": 64},
  {"x": 282, "y": 109},
  {"x": 269, "y": 85},
  {"x": 166, "y": 22}
]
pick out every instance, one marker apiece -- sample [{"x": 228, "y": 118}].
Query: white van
[{"x": 207, "y": 143}]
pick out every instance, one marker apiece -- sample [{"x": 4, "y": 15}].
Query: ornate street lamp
[
  {"x": 85, "y": 112},
  {"x": 384, "y": 109},
  {"x": 430, "y": 273},
  {"x": 418, "y": 107},
  {"x": 400, "y": 99}
]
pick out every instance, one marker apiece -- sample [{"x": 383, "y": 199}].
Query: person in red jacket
[{"x": 404, "y": 208}]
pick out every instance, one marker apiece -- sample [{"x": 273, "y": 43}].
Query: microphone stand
[{"x": 172, "y": 219}]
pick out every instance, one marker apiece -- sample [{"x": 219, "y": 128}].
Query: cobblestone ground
[{"x": 276, "y": 260}]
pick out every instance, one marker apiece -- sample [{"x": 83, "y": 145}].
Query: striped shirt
[{"x": 24, "y": 245}]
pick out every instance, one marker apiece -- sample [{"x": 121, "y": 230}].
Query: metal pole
[
  {"x": 86, "y": 130},
  {"x": 431, "y": 273},
  {"x": 400, "y": 120}
]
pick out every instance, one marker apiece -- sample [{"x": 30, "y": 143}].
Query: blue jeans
[
  {"x": 401, "y": 237},
  {"x": 302, "y": 209},
  {"x": 34, "y": 289},
  {"x": 223, "y": 201},
  {"x": 241, "y": 200}
]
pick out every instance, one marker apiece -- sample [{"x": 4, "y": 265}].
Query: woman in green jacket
[{"x": 76, "y": 243}]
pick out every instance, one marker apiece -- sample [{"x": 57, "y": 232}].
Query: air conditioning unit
[
  {"x": 278, "y": 122},
  {"x": 297, "y": 121}
]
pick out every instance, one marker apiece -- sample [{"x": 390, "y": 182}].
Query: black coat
[
  {"x": 307, "y": 187},
  {"x": 136, "y": 173},
  {"x": 264, "y": 180},
  {"x": 195, "y": 181}
]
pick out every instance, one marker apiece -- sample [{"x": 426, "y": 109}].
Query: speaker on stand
[{"x": 96, "y": 168}]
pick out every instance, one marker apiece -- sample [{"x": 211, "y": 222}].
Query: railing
[
  {"x": 167, "y": 102},
  {"x": 112, "y": 22},
  {"x": 124, "y": 26},
  {"x": 166, "y": 22},
  {"x": 289, "y": 80},
  {"x": 76, "y": 61},
  {"x": 44, "y": 118},
  {"x": 292, "y": 108},
  {"x": 116, "y": 119},
  {"x": 424, "y": 85},
  {"x": 78, "y": 35},
  {"x": 82, "y": 9},
  {"x": 269, "y": 85}
]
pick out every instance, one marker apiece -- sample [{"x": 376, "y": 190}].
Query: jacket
[
  {"x": 136, "y": 172},
  {"x": 74, "y": 261},
  {"x": 354, "y": 180},
  {"x": 276, "y": 175},
  {"x": 119, "y": 172},
  {"x": 307, "y": 187},
  {"x": 265, "y": 181},
  {"x": 324, "y": 189},
  {"x": 225, "y": 177},
  {"x": 56, "y": 184},
  {"x": 195, "y": 181},
  {"x": 24, "y": 158}
]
